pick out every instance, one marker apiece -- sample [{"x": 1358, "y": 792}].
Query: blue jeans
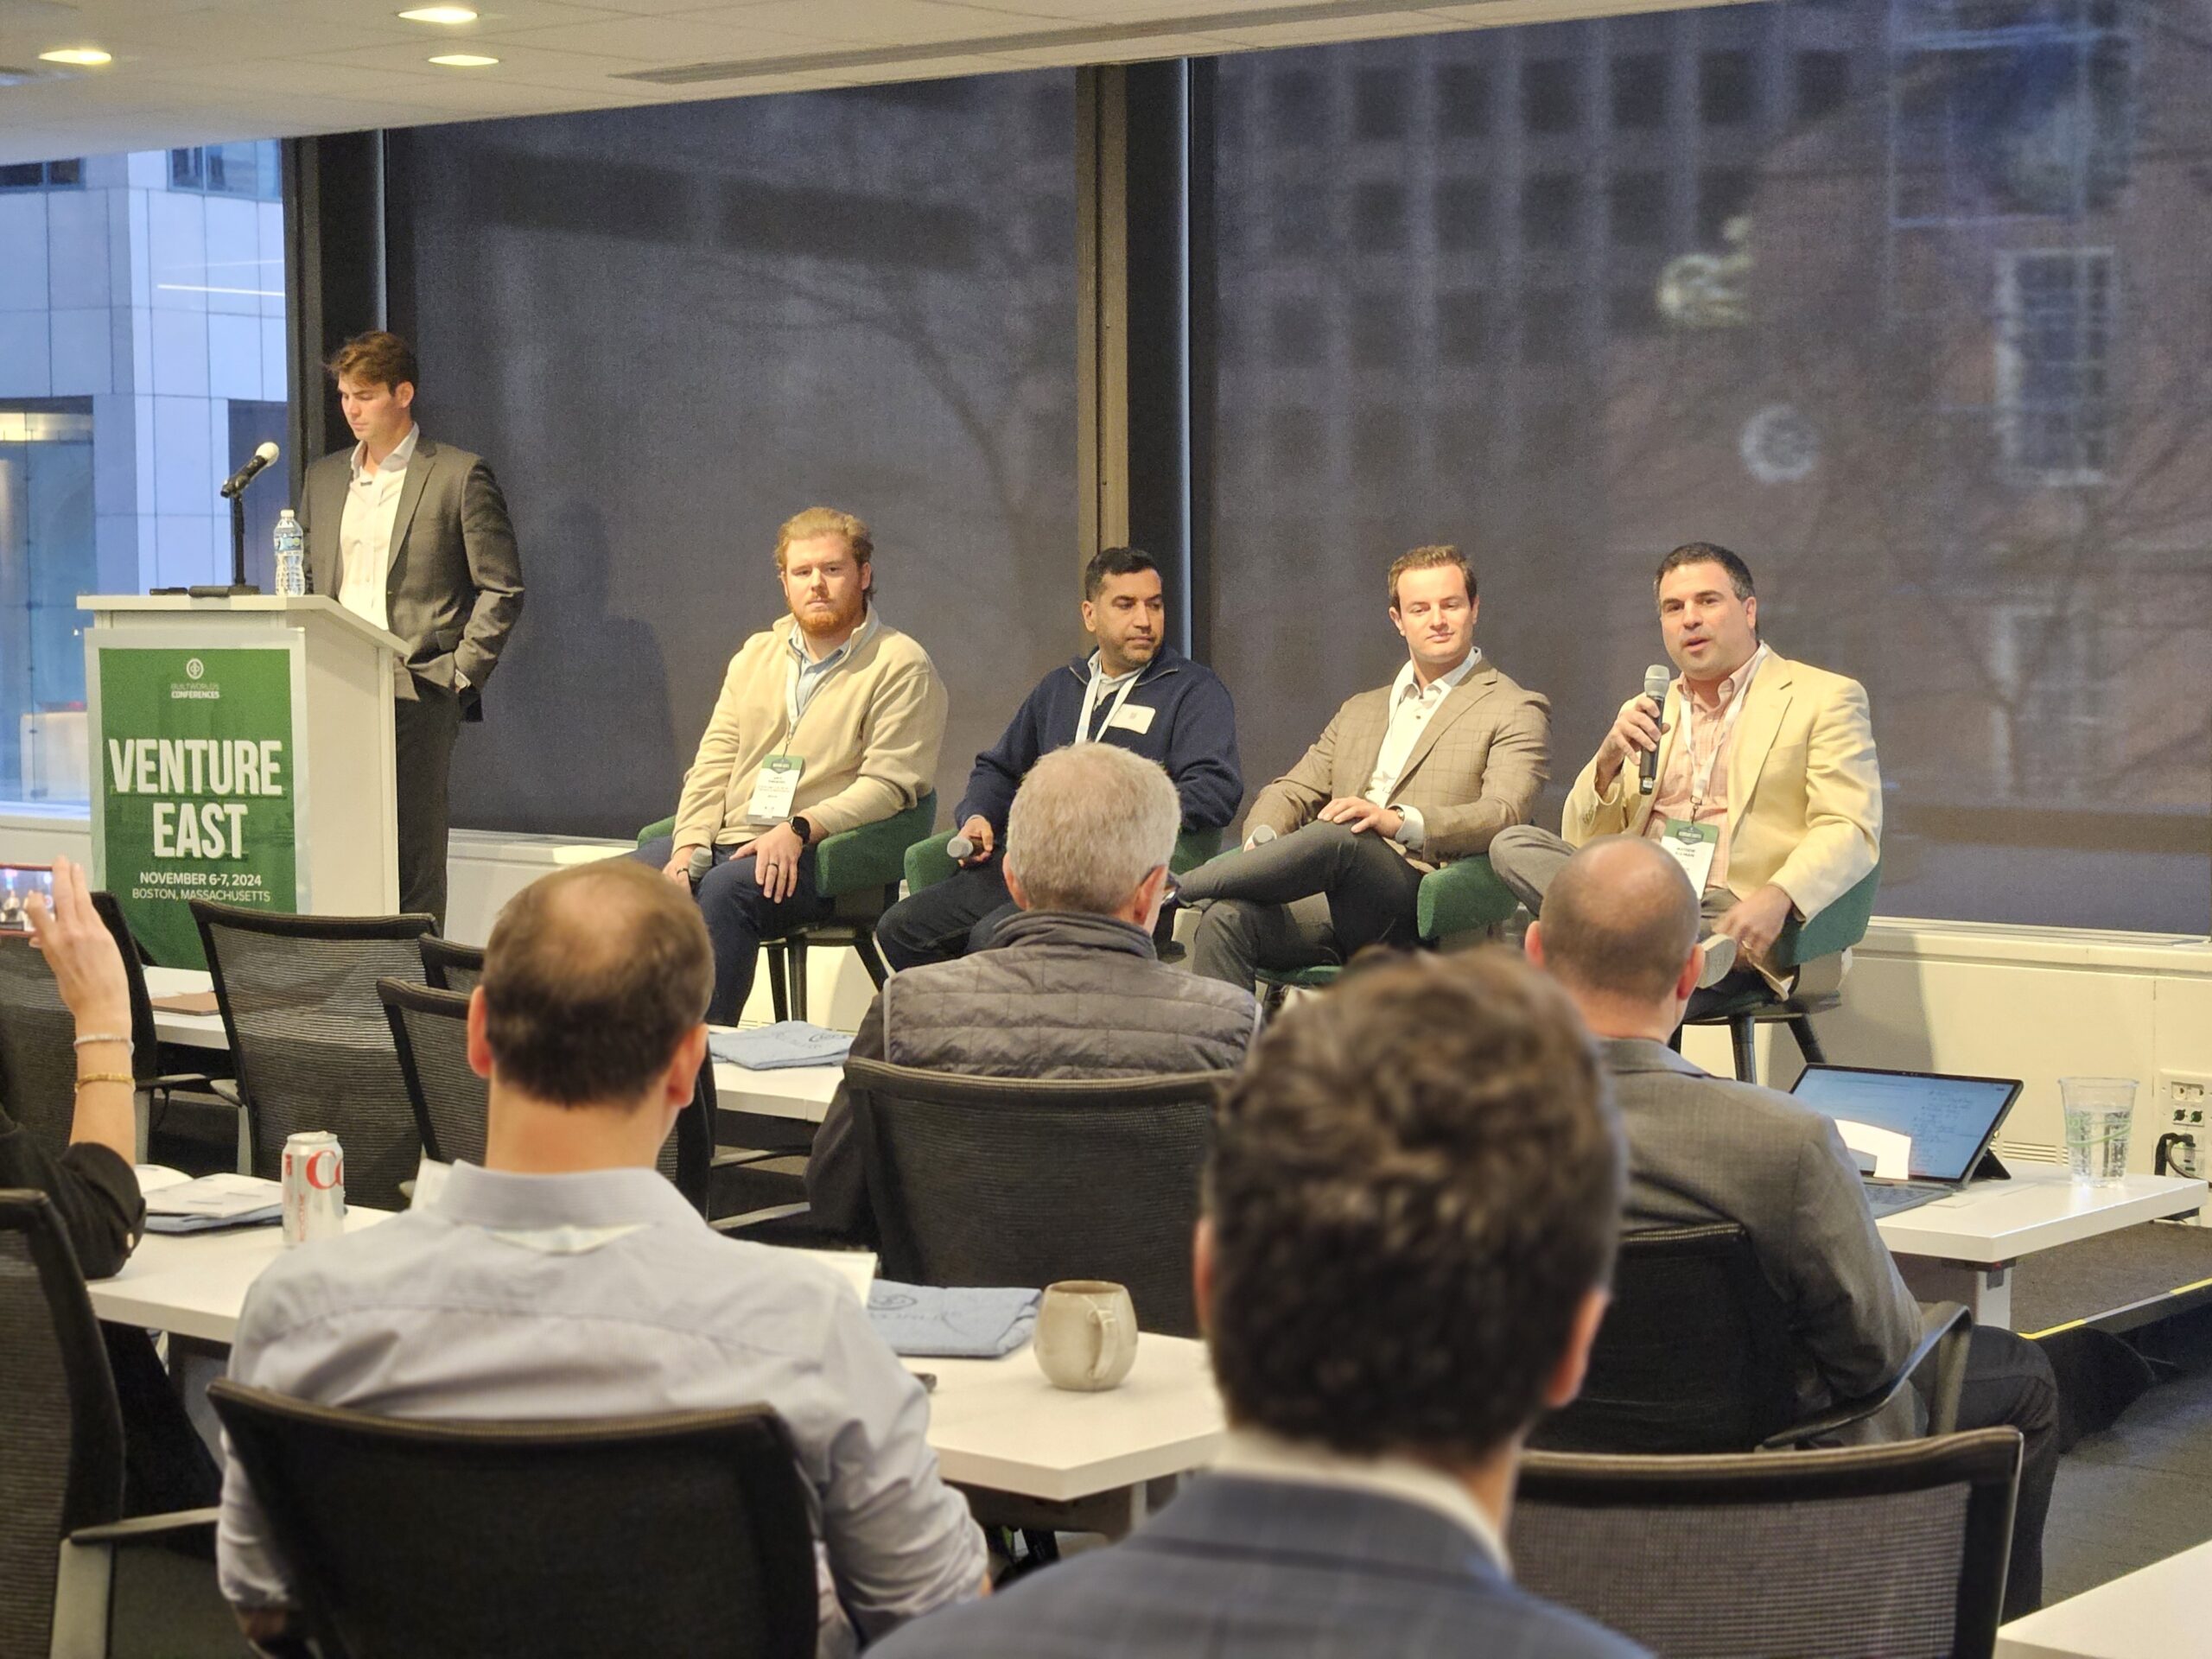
[{"x": 739, "y": 916}]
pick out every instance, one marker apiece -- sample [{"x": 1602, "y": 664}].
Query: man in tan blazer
[
  {"x": 1405, "y": 778},
  {"x": 1765, "y": 771}
]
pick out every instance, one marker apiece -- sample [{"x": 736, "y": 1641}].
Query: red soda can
[{"x": 315, "y": 1186}]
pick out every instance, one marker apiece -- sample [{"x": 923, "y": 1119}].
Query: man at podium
[{"x": 414, "y": 535}]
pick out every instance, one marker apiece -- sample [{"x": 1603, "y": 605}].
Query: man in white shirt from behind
[{"x": 516, "y": 1293}]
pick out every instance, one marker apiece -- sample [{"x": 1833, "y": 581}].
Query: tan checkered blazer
[{"x": 1475, "y": 771}]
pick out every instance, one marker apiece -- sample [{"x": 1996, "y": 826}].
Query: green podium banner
[{"x": 196, "y": 797}]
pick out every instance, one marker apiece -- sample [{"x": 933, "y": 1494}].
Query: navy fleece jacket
[{"x": 1192, "y": 736}]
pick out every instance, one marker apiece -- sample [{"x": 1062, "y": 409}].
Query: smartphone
[{"x": 18, "y": 883}]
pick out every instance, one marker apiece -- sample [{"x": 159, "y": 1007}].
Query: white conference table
[
  {"x": 801, "y": 1094},
  {"x": 2163, "y": 1612},
  {"x": 1962, "y": 1248},
  {"x": 997, "y": 1424}
]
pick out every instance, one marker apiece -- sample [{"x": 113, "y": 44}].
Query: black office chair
[
  {"x": 38, "y": 1061},
  {"x": 450, "y": 967},
  {"x": 1696, "y": 1356},
  {"x": 686, "y": 1533},
  {"x": 61, "y": 1462},
  {"x": 429, "y": 1029},
  {"x": 312, "y": 1049},
  {"x": 1867, "y": 1553},
  {"x": 1012, "y": 1181}
]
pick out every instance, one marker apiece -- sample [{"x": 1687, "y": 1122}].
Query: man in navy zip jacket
[{"x": 1135, "y": 690}]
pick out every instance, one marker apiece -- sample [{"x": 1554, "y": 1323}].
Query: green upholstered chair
[
  {"x": 858, "y": 870},
  {"x": 1827, "y": 933},
  {"x": 1463, "y": 897},
  {"x": 928, "y": 863}
]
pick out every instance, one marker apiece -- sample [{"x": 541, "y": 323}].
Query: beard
[{"x": 839, "y": 618}]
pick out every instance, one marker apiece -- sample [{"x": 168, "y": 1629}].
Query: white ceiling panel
[{"x": 203, "y": 70}]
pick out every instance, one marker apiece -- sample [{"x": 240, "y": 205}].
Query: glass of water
[{"x": 2099, "y": 1114}]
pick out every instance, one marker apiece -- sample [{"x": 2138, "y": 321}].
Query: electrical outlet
[{"x": 2184, "y": 1096}]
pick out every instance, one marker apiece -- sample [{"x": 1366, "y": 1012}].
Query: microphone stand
[{"x": 239, "y": 587}]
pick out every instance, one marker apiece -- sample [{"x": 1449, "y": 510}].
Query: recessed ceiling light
[
  {"x": 90, "y": 57},
  {"x": 440, "y": 15},
  {"x": 464, "y": 60}
]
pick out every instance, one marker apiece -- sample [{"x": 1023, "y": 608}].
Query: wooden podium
[{"x": 241, "y": 749}]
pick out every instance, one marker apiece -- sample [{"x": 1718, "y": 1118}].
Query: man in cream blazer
[
  {"x": 1405, "y": 778},
  {"x": 1765, "y": 770}
]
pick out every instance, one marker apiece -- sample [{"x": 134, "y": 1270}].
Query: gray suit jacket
[
  {"x": 1703, "y": 1149},
  {"x": 1268, "y": 1569},
  {"x": 454, "y": 586},
  {"x": 1475, "y": 769}
]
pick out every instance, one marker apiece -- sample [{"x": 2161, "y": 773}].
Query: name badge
[
  {"x": 1131, "y": 718},
  {"x": 1692, "y": 846},
  {"x": 775, "y": 789}
]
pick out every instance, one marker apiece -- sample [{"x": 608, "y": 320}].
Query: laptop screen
[{"x": 1948, "y": 1121}]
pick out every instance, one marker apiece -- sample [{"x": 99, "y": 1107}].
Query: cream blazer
[{"x": 1804, "y": 793}]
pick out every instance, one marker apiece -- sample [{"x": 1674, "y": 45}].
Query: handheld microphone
[
  {"x": 702, "y": 859},
  {"x": 252, "y": 470},
  {"x": 960, "y": 849},
  {"x": 1656, "y": 679},
  {"x": 1261, "y": 837}
]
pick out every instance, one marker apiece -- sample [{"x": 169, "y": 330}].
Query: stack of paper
[{"x": 213, "y": 1201}]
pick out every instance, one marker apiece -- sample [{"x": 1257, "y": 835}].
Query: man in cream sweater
[{"x": 828, "y": 720}]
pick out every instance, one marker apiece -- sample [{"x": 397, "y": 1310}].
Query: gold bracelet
[{"x": 85, "y": 1077}]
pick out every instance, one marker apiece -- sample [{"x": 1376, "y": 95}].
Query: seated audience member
[
  {"x": 1410, "y": 1212},
  {"x": 1135, "y": 691},
  {"x": 1766, "y": 784},
  {"x": 828, "y": 720},
  {"x": 1070, "y": 988},
  {"x": 1620, "y": 933},
  {"x": 94, "y": 1188},
  {"x": 566, "y": 1278},
  {"x": 1406, "y": 778}
]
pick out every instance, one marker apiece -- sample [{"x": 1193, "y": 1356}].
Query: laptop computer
[{"x": 1938, "y": 1127}]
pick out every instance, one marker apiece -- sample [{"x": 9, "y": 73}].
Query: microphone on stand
[
  {"x": 1656, "y": 679},
  {"x": 247, "y": 473}
]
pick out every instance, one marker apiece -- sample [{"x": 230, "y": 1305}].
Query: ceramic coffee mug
[{"x": 1086, "y": 1334}]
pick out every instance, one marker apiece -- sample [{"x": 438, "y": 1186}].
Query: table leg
[{"x": 1986, "y": 1291}]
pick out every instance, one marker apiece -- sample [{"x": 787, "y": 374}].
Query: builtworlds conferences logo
[{"x": 194, "y": 684}]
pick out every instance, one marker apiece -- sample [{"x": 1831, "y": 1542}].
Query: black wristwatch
[{"x": 805, "y": 831}]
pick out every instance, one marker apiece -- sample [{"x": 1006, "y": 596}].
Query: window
[
  {"x": 42, "y": 175},
  {"x": 1550, "y": 207},
  {"x": 229, "y": 170},
  {"x": 1725, "y": 90},
  {"x": 1462, "y": 326},
  {"x": 2053, "y": 353},
  {"x": 1378, "y": 105},
  {"x": 1823, "y": 83},
  {"x": 1462, "y": 214},
  {"x": 1722, "y": 194},
  {"x": 1636, "y": 208},
  {"x": 1548, "y": 325},
  {"x": 1462, "y": 100},
  {"x": 1295, "y": 111},
  {"x": 128, "y": 288},
  {"x": 1640, "y": 90},
  {"x": 1551, "y": 95},
  {"x": 1298, "y": 332},
  {"x": 1378, "y": 217},
  {"x": 1378, "y": 330}
]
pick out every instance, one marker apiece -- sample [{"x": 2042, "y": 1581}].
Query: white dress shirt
[
  {"x": 365, "y": 547},
  {"x": 1411, "y": 705},
  {"x": 604, "y": 1294},
  {"x": 1256, "y": 1454}
]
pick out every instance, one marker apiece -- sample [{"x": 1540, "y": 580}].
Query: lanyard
[
  {"x": 1083, "y": 733},
  {"x": 1701, "y": 781},
  {"x": 836, "y": 660}
]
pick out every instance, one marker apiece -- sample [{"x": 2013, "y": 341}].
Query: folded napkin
[
  {"x": 927, "y": 1322},
  {"x": 774, "y": 1048}
]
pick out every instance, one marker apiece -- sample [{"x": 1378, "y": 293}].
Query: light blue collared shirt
[
  {"x": 604, "y": 1294},
  {"x": 809, "y": 676},
  {"x": 1411, "y": 704}
]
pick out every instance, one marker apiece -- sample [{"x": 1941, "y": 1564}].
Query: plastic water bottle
[{"x": 291, "y": 555}]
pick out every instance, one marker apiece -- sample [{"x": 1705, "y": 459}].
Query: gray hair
[{"x": 1088, "y": 825}]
